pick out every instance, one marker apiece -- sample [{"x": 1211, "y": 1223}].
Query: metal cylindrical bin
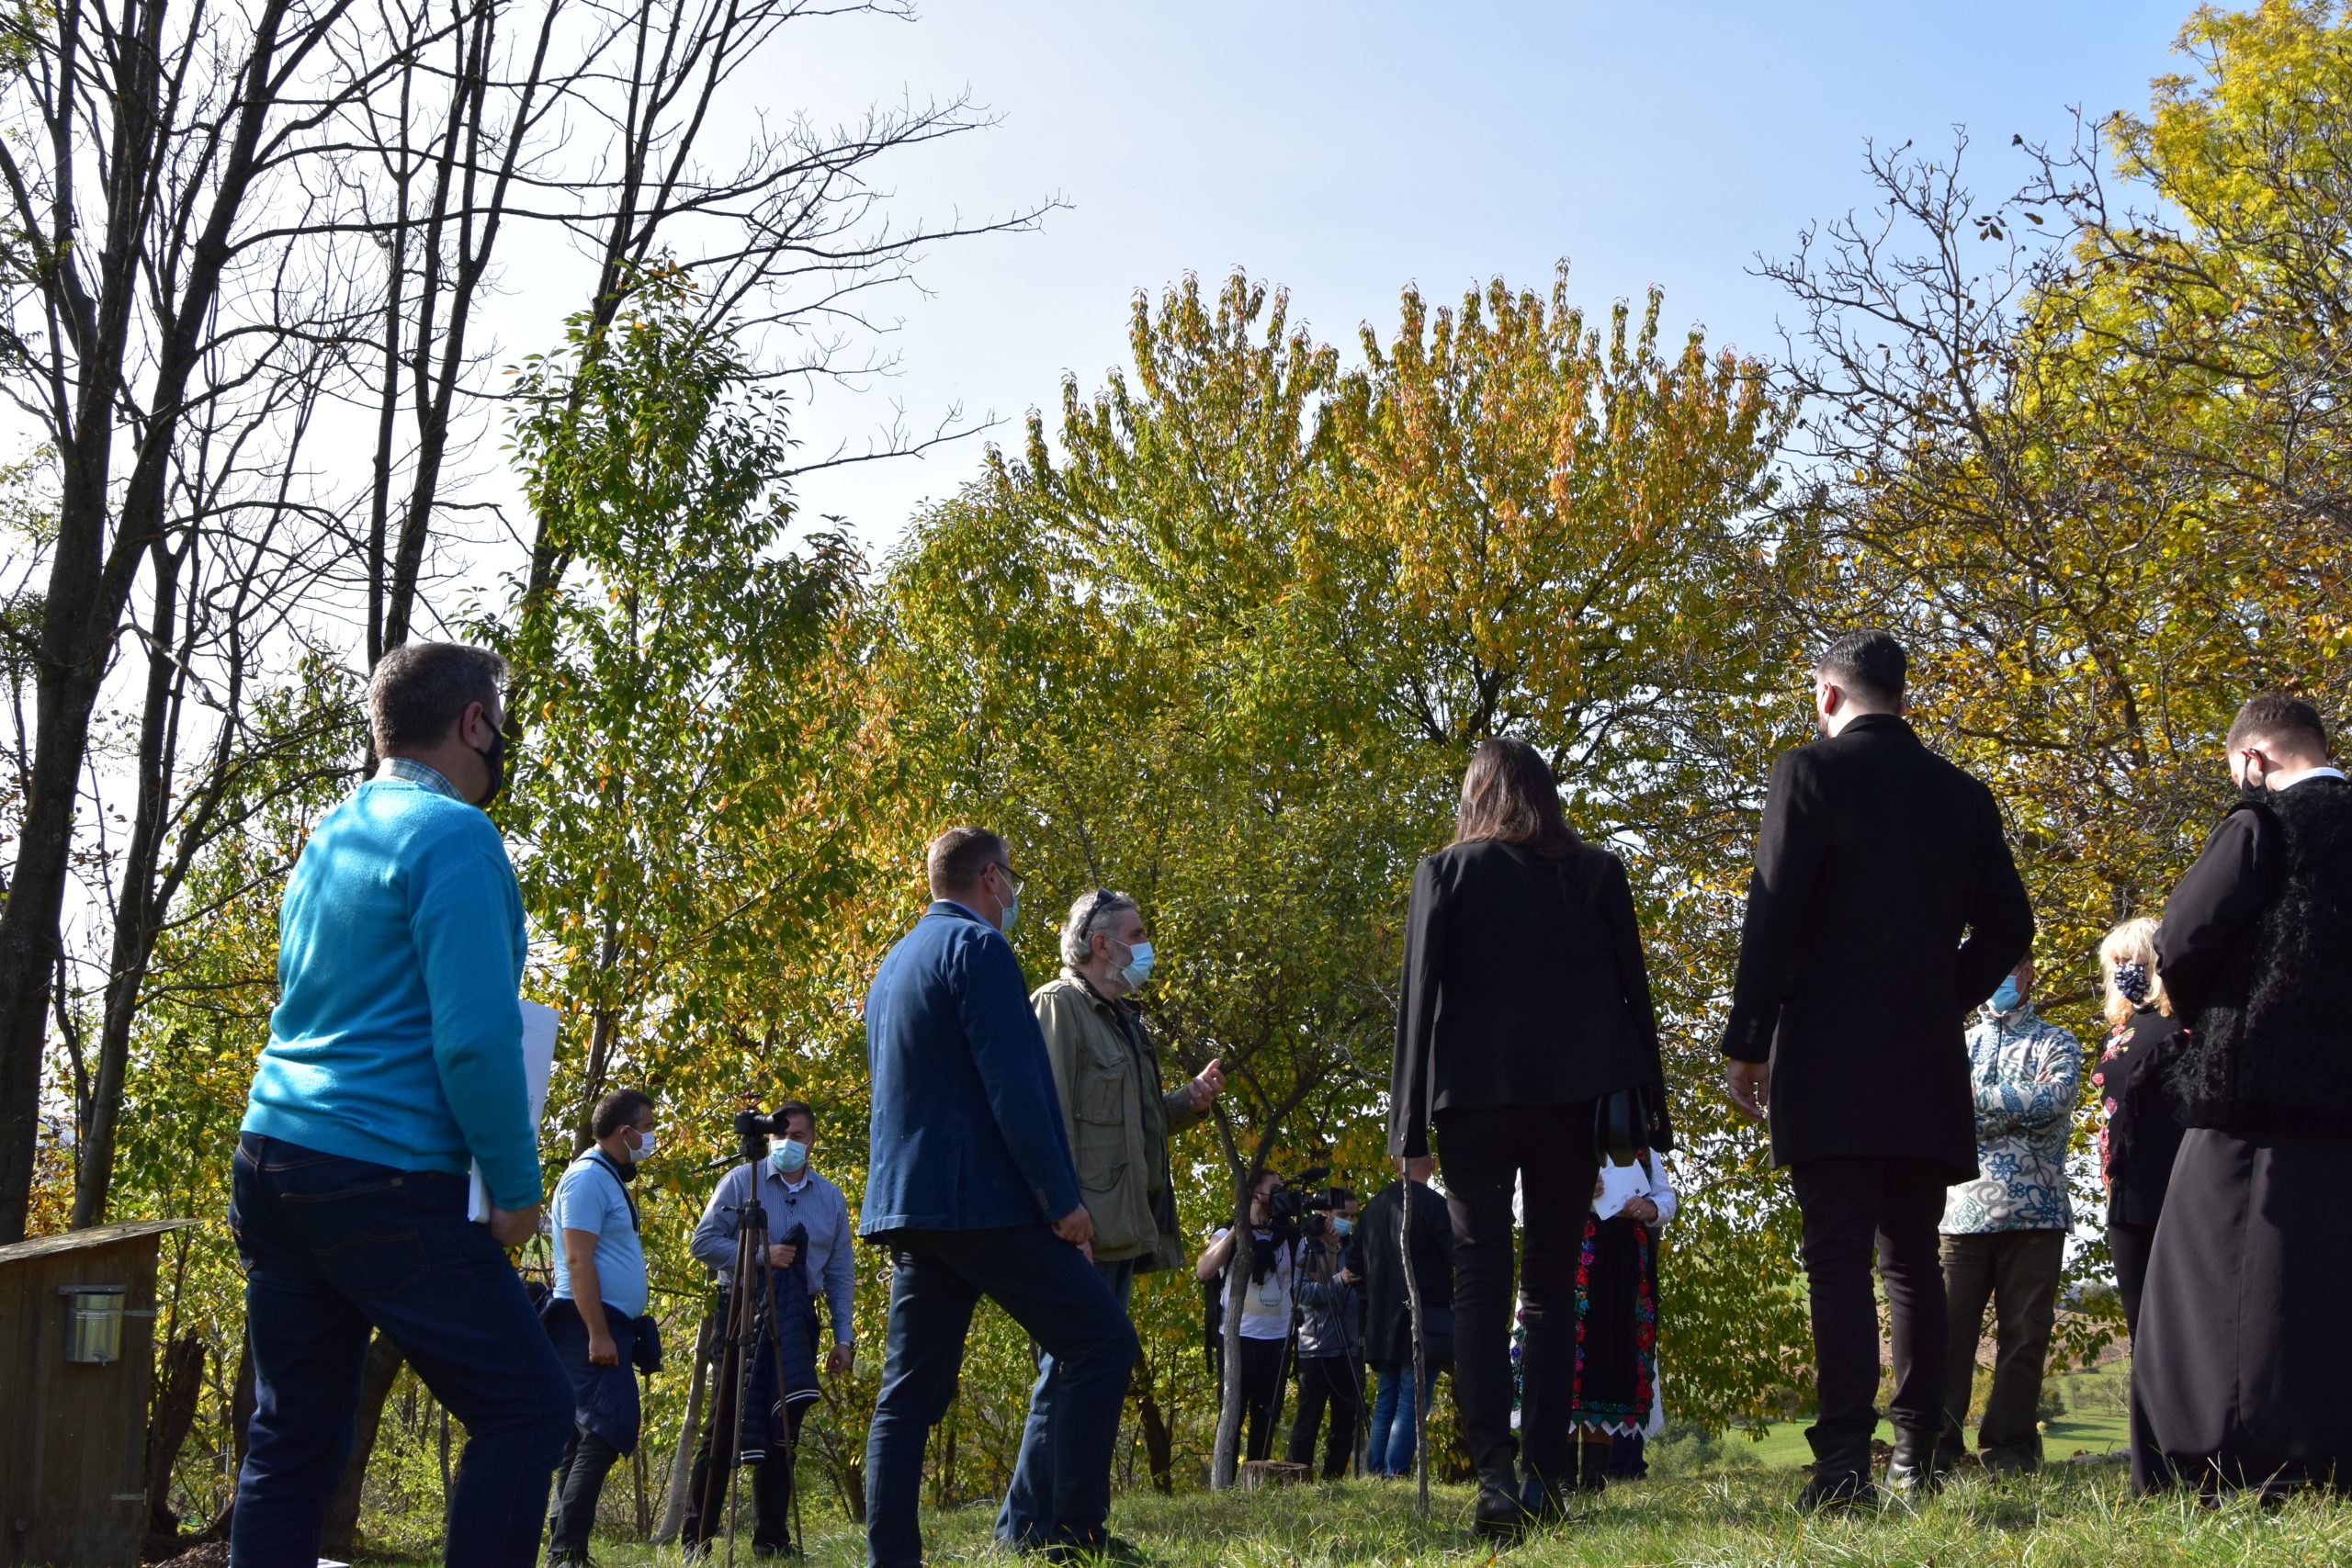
[{"x": 93, "y": 1322}]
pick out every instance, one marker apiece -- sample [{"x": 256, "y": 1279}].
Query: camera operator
[
  {"x": 1265, "y": 1308},
  {"x": 1118, "y": 1118},
  {"x": 1330, "y": 1337},
  {"x": 794, "y": 1196},
  {"x": 600, "y": 1260}
]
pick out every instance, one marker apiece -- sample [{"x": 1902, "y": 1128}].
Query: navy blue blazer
[{"x": 966, "y": 1131}]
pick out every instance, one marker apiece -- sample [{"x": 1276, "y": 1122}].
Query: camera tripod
[{"x": 749, "y": 1322}]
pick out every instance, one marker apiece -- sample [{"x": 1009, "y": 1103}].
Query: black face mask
[
  {"x": 2256, "y": 785},
  {"x": 494, "y": 757}
]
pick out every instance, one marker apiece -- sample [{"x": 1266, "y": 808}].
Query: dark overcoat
[
  {"x": 1388, "y": 1323},
  {"x": 1884, "y": 905}
]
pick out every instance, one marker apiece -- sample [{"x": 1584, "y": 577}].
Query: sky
[{"x": 1343, "y": 151}]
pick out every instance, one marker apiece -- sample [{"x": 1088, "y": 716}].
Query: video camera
[
  {"x": 1299, "y": 1208},
  {"x": 752, "y": 1129}
]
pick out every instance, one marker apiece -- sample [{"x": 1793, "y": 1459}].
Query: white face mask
[{"x": 642, "y": 1149}]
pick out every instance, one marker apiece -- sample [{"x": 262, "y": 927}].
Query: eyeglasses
[{"x": 1013, "y": 876}]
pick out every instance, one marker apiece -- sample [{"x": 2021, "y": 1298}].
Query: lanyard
[{"x": 598, "y": 1156}]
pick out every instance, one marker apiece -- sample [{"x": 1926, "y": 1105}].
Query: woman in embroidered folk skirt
[{"x": 1616, "y": 1312}]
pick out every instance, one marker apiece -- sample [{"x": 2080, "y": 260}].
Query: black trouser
[
  {"x": 578, "y": 1482},
  {"x": 1337, "y": 1381},
  {"x": 2130, "y": 1245},
  {"x": 2016, "y": 1271},
  {"x": 1850, "y": 1205},
  {"x": 1261, "y": 1384},
  {"x": 1549, "y": 1149},
  {"x": 770, "y": 1493}
]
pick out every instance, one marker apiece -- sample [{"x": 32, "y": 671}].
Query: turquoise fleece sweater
[{"x": 397, "y": 1039}]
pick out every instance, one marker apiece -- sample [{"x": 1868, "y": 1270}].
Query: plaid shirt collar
[{"x": 413, "y": 771}]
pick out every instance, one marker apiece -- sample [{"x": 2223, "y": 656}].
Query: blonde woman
[{"x": 2138, "y": 1131}]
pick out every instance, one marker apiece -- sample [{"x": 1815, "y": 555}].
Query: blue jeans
[
  {"x": 1025, "y": 1521},
  {"x": 1389, "y": 1448},
  {"x": 333, "y": 1247},
  {"x": 1049, "y": 1289}
]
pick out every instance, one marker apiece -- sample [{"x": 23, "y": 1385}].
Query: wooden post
[{"x": 73, "y": 1444}]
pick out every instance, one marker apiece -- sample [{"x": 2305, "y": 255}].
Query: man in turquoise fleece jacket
[{"x": 394, "y": 1063}]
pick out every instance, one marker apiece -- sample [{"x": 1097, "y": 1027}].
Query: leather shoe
[
  {"x": 1544, "y": 1502},
  {"x": 1499, "y": 1513},
  {"x": 1831, "y": 1489},
  {"x": 1916, "y": 1465}
]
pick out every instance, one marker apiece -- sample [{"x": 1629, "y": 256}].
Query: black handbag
[{"x": 1627, "y": 1121}]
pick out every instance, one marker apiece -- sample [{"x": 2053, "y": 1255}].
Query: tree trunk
[
  {"x": 179, "y": 1385},
  {"x": 682, "y": 1459},
  {"x": 134, "y": 916},
  {"x": 1227, "y": 1457},
  {"x": 30, "y": 922},
  {"x": 1158, "y": 1443},
  {"x": 101, "y": 534},
  {"x": 240, "y": 1415},
  {"x": 343, "y": 1509}
]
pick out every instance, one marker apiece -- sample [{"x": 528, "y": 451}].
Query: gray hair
[{"x": 1091, "y": 913}]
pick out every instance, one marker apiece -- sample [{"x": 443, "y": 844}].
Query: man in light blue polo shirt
[
  {"x": 598, "y": 1315},
  {"x": 394, "y": 1063}
]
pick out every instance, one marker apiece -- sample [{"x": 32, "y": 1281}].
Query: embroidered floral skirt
[{"x": 1616, "y": 1340}]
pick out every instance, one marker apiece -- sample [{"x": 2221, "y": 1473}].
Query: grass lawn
[{"x": 2072, "y": 1515}]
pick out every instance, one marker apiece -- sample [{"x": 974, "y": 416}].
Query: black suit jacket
[
  {"x": 1523, "y": 986},
  {"x": 1387, "y": 1322},
  {"x": 1876, "y": 859}
]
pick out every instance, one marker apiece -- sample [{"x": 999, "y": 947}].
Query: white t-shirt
[{"x": 1265, "y": 1303}]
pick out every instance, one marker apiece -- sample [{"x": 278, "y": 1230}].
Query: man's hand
[
  {"x": 1751, "y": 1085},
  {"x": 601, "y": 1351},
  {"x": 1207, "y": 1085},
  {"x": 841, "y": 1360},
  {"x": 1347, "y": 1276},
  {"x": 512, "y": 1227},
  {"x": 782, "y": 1255},
  {"x": 1077, "y": 1227}
]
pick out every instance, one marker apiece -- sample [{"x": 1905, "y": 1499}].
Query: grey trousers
[{"x": 2016, "y": 1272}]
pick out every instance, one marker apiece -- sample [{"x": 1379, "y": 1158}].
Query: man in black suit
[{"x": 1876, "y": 858}]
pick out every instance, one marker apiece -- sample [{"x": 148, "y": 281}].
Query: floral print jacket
[{"x": 2026, "y": 1075}]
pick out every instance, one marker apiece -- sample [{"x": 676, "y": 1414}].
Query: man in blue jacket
[
  {"x": 394, "y": 1063},
  {"x": 971, "y": 1185}
]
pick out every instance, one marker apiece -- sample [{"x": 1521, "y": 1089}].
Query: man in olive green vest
[{"x": 1118, "y": 1118}]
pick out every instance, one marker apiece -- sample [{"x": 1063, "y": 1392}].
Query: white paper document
[
  {"x": 539, "y": 1065},
  {"x": 1620, "y": 1185}
]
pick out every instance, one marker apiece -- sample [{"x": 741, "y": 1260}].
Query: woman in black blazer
[{"x": 1524, "y": 1001}]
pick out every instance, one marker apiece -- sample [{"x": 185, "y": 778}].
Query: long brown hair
[{"x": 1510, "y": 795}]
